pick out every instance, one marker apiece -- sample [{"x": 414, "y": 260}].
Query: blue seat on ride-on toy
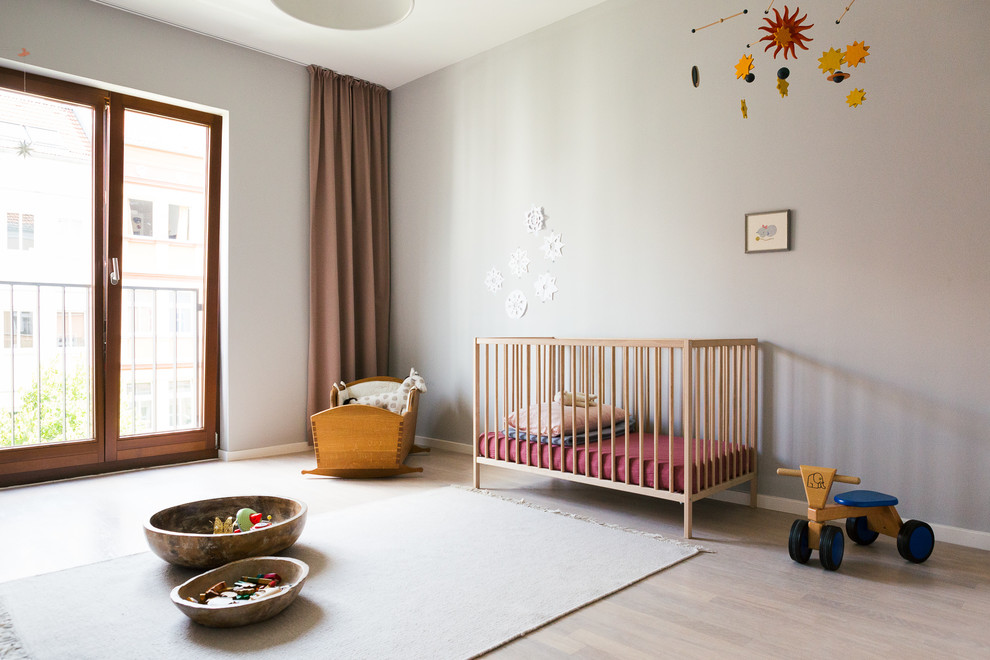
[{"x": 865, "y": 498}]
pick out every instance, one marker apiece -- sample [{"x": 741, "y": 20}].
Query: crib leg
[
  {"x": 477, "y": 474},
  {"x": 687, "y": 519}
]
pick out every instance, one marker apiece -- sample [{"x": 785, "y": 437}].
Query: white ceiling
[{"x": 436, "y": 34}]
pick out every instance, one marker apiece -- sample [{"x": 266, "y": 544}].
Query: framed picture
[{"x": 768, "y": 232}]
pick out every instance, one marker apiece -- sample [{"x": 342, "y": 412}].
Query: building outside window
[
  {"x": 71, "y": 328},
  {"x": 18, "y": 329},
  {"x": 20, "y": 231}
]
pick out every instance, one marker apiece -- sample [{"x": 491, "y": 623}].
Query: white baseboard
[
  {"x": 446, "y": 445},
  {"x": 264, "y": 452},
  {"x": 946, "y": 533}
]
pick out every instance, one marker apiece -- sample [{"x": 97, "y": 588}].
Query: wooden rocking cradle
[{"x": 360, "y": 441}]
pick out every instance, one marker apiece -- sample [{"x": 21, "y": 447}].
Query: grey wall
[
  {"x": 875, "y": 327},
  {"x": 266, "y": 258}
]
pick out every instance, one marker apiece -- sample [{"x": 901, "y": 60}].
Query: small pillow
[{"x": 395, "y": 400}]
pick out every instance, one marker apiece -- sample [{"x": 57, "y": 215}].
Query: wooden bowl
[
  {"x": 183, "y": 534},
  {"x": 241, "y": 613}
]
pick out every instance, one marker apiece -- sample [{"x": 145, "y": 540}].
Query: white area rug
[{"x": 446, "y": 573}]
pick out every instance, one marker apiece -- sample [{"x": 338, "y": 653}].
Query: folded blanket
[
  {"x": 621, "y": 428},
  {"x": 554, "y": 419}
]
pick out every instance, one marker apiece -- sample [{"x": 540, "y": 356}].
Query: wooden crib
[{"x": 624, "y": 414}]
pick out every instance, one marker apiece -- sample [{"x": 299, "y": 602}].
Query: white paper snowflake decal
[
  {"x": 519, "y": 262},
  {"x": 546, "y": 286},
  {"x": 552, "y": 246},
  {"x": 515, "y": 304},
  {"x": 493, "y": 280},
  {"x": 535, "y": 219}
]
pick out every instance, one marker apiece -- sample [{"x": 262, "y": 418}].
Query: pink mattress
[{"x": 729, "y": 465}]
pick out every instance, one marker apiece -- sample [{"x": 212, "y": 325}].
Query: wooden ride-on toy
[{"x": 868, "y": 514}]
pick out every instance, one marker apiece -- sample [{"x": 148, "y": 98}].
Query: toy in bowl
[
  {"x": 224, "y": 597},
  {"x": 184, "y": 534}
]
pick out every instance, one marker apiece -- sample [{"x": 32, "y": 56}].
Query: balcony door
[{"x": 108, "y": 280}]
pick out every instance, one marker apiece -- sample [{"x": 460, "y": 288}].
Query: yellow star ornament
[
  {"x": 856, "y": 54},
  {"x": 856, "y": 97},
  {"x": 744, "y": 66},
  {"x": 782, "y": 87},
  {"x": 831, "y": 60}
]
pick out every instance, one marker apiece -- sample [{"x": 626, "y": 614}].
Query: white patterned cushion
[{"x": 395, "y": 400}]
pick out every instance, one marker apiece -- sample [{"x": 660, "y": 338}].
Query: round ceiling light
[{"x": 347, "y": 14}]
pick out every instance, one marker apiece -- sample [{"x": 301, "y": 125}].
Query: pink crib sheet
[{"x": 729, "y": 464}]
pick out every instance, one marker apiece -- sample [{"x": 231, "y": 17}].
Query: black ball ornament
[{"x": 783, "y": 72}]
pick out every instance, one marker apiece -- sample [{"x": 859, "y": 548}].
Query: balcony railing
[{"x": 47, "y": 361}]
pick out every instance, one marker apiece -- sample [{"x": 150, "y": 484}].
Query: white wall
[
  {"x": 266, "y": 257},
  {"x": 875, "y": 327}
]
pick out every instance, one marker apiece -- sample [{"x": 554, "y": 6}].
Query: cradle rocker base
[{"x": 362, "y": 474}]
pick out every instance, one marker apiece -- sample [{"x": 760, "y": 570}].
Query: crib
[{"x": 674, "y": 419}]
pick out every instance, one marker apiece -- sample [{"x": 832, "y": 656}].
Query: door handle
[{"x": 114, "y": 272}]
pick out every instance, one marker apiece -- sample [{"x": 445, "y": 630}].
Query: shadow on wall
[{"x": 930, "y": 455}]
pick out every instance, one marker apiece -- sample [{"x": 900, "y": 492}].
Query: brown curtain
[{"x": 349, "y": 232}]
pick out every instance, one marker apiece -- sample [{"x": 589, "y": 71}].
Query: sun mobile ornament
[
  {"x": 856, "y": 54},
  {"x": 546, "y": 286},
  {"x": 856, "y": 97},
  {"x": 552, "y": 247},
  {"x": 831, "y": 60},
  {"x": 493, "y": 280},
  {"x": 785, "y": 32},
  {"x": 744, "y": 66},
  {"x": 535, "y": 220},
  {"x": 515, "y": 304},
  {"x": 519, "y": 262}
]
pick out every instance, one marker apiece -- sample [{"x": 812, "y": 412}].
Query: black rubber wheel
[
  {"x": 797, "y": 544},
  {"x": 832, "y": 547},
  {"x": 859, "y": 531},
  {"x": 915, "y": 541}
]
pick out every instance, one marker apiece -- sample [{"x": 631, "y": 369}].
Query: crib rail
[{"x": 704, "y": 391}]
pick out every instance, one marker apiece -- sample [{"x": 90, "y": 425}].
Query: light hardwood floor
[{"x": 745, "y": 598}]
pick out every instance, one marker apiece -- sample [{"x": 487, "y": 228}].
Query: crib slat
[
  {"x": 640, "y": 414},
  {"x": 475, "y": 466},
  {"x": 611, "y": 454},
  {"x": 670, "y": 418},
  {"x": 657, "y": 417},
  {"x": 686, "y": 415}
]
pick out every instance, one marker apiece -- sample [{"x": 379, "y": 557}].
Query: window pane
[
  {"x": 46, "y": 270},
  {"x": 165, "y": 168},
  {"x": 178, "y": 222},
  {"x": 142, "y": 223},
  {"x": 13, "y": 231},
  {"x": 27, "y": 231}
]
